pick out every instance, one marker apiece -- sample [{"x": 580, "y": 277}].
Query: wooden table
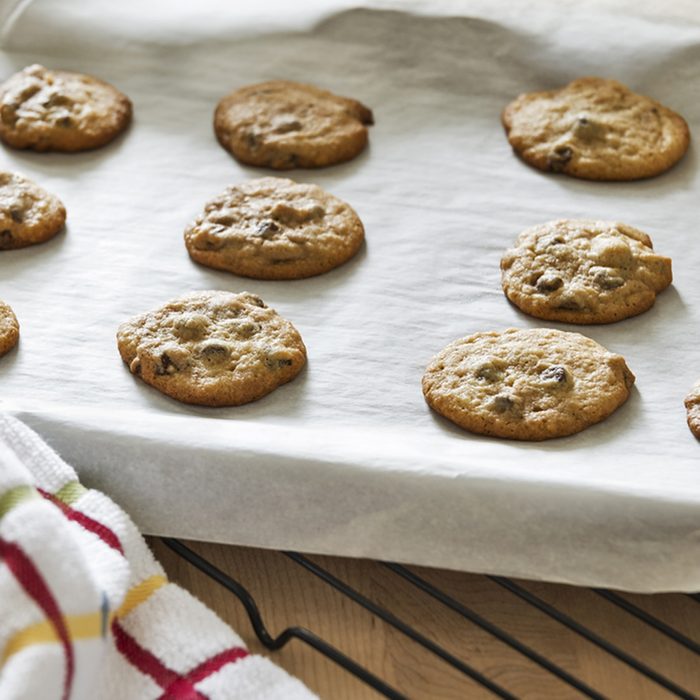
[{"x": 289, "y": 595}]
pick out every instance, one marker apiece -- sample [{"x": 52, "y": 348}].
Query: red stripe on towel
[
  {"x": 174, "y": 685},
  {"x": 31, "y": 580},
  {"x": 212, "y": 665},
  {"x": 97, "y": 528}
]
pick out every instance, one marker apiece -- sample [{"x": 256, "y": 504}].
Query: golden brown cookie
[
  {"x": 52, "y": 110},
  {"x": 275, "y": 229},
  {"x": 526, "y": 384},
  {"x": 692, "y": 406},
  {"x": 596, "y": 129},
  {"x": 28, "y": 213},
  {"x": 212, "y": 348},
  {"x": 281, "y": 124},
  {"x": 581, "y": 271},
  {"x": 9, "y": 329}
]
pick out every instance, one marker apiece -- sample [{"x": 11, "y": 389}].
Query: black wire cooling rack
[{"x": 330, "y": 652}]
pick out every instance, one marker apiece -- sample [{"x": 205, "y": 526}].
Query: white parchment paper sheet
[{"x": 348, "y": 459}]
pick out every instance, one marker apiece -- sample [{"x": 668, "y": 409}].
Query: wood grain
[{"x": 289, "y": 595}]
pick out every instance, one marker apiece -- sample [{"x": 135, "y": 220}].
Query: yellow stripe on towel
[
  {"x": 81, "y": 626},
  {"x": 140, "y": 593}
]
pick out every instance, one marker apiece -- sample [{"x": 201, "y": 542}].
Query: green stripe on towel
[
  {"x": 70, "y": 492},
  {"x": 15, "y": 496}
]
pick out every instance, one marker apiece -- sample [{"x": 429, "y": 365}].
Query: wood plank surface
[{"x": 288, "y": 595}]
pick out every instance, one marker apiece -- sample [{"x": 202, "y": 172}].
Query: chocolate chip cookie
[
  {"x": 275, "y": 229},
  {"x": 53, "y": 110},
  {"x": 9, "y": 329},
  {"x": 282, "y": 125},
  {"x": 28, "y": 213},
  {"x": 581, "y": 271},
  {"x": 692, "y": 405},
  {"x": 526, "y": 384},
  {"x": 596, "y": 129},
  {"x": 212, "y": 348}
]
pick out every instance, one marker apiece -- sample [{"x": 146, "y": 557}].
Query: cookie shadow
[
  {"x": 670, "y": 306},
  {"x": 621, "y": 421},
  {"x": 11, "y": 358},
  {"x": 677, "y": 178},
  {"x": 292, "y": 291},
  {"x": 667, "y": 314},
  {"x": 16, "y": 263},
  {"x": 669, "y": 310},
  {"x": 279, "y": 403},
  {"x": 329, "y": 174},
  {"x": 65, "y": 164}
]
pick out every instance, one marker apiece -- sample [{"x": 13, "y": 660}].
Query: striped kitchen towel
[{"x": 85, "y": 610}]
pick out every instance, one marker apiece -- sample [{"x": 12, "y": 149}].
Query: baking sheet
[{"x": 348, "y": 459}]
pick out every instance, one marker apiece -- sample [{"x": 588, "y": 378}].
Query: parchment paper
[{"x": 348, "y": 459}]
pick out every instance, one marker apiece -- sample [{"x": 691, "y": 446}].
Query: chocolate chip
[
  {"x": 58, "y": 100},
  {"x": 17, "y": 215},
  {"x": 502, "y": 403},
  {"x": 549, "y": 283},
  {"x": 251, "y": 140},
  {"x": 28, "y": 91},
  {"x": 569, "y": 305},
  {"x": 257, "y": 301},
  {"x": 246, "y": 329},
  {"x": 266, "y": 227},
  {"x": 587, "y": 129},
  {"x": 316, "y": 212},
  {"x": 65, "y": 122},
  {"x": 276, "y": 363},
  {"x": 214, "y": 353},
  {"x": 5, "y": 238},
  {"x": 558, "y": 159},
  {"x": 286, "y": 127},
  {"x": 8, "y": 114},
  {"x": 546, "y": 242},
  {"x": 607, "y": 281},
  {"x": 166, "y": 365},
  {"x": 214, "y": 349},
  {"x": 555, "y": 373}
]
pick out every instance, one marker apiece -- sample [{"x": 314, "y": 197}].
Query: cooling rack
[{"x": 577, "y": 686}]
